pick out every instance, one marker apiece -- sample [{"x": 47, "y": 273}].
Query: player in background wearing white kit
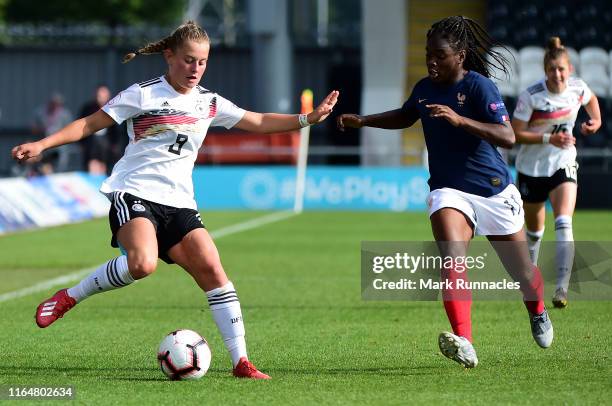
[
  {"x": 546, "y": 163},
  {"x": 154, "y": 214}
]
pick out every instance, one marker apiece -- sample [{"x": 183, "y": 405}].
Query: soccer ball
[{"x": 184, "y": 354}]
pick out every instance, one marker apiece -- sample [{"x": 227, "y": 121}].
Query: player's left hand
[
  {"x": 445, "y": 112},
  {"x": 28, "y": 152},
  {"x": 590, "y": 127},
  {"x": 324, "y": 109}
]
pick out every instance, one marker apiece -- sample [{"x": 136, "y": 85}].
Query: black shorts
[
  {"x": 537, "y": 189},
  {"x": 171, "y": 223}
]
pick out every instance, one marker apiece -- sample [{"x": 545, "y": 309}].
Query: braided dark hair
[
  {"x": 465, "y": 34},
  {"x": 188, "y": 31}
]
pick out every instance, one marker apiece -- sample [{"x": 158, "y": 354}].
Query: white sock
[
  {"x": 534, "y": 239},
  {"x": 113, "y": 274},
  {"x": 565, "y": 250},
  {"x": 225, "y": 309}
]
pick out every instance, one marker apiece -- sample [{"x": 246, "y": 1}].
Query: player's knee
[
  {"x": 213, "y": 270},
  {"x": 142, "y": 267}
]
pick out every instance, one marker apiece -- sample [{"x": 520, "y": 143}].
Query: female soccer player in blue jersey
[
  {"x": 464, "y": 120},
  {"x": 546, "y": 163},
  {"x": 153, "y": 213}
]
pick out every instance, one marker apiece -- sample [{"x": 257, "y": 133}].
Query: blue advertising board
[{"x": 327, "y": 188}]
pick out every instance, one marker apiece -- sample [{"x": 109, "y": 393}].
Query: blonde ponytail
[
  {"x": 554, "y": 50},
  {"x": 190, "y": 31}
]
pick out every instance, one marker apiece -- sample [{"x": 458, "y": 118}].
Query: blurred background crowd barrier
[{"x": 264, "y": 52}]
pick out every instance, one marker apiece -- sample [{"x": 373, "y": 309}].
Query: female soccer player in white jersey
[
  {"x": 546, "y": 163},
  {"x": 153, "y": 212},
  {"x": 464, "y": 119}
]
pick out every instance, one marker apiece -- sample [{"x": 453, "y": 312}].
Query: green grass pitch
[{"x": 299, "y": 285}]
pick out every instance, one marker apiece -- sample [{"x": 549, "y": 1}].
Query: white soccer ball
[{"x": 184, "y": 354}]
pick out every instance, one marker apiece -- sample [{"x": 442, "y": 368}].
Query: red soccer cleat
[
  {"x": 245, "y": 369},
  {"x": 54, "y": 308}
]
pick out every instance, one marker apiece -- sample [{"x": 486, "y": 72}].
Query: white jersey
[
  {"x": 166, "y": 130},
  {"x": 547, "y": 112}
]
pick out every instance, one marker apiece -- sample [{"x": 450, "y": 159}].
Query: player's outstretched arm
[
  {"x": 389, "y": 120},
  {"x": 592, "y": 125},
  {"x": 74, "y": 131},
  {"x": 275, "y": 122}
]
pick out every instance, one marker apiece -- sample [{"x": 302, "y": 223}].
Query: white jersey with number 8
[{"x": 166, "y": 130}]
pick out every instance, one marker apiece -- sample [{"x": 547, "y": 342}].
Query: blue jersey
[{"x": 458, "y": 159}]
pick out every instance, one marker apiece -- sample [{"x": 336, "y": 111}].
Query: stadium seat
[
  {"x": 607, "y": 22},
  {"x": 591, "y": 57},
  {"x": 508, "y": 86},
  {"x": 497, "y": 13},
  {"x": 502, "y": 33},
  {"x": 527, "y": 11},
  {"x": 593, "y": 36},
  {"x": 565, "y": 31},
  {"x": 529, "y": 75},
  {"x": 597, "y": 79},
  {"x": 527, "y": 35},
  {"x": 607, "y": 130},
  {"x": 587, "y": 13},
  {"x": 529, "y": 23},
  {"x": 557, "y": 15},
  {"x": 597, "y": 140},
  {"x": 574, "y": 60},
  {"x": 531, "y": 66},
  {"x": 499, "y": 22},
  {"x": 531, "y": 55}
]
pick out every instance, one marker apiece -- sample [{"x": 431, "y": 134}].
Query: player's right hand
[
  {"x": 562, "y": 140},
  {"x": 350, "y": 121},
  {"x": 26, "y": 152}
]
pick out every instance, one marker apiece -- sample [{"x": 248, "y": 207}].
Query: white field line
[{"x": 220, "y": 233}]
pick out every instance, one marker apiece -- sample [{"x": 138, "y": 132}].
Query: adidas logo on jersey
[{"x": 165, "y": 104}]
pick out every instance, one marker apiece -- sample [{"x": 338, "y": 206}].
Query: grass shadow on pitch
[
  {"x": 365, "y": 305},
  {"x": 142, "y": 374},
  {"x": 119, "y": 373},
  {"x": 421, "y": 370}
]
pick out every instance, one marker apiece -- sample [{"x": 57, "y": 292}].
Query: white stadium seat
[
  {"x": 529, "y": 75},
  {"x": 597, "y": 79},
  {"x": 531, "y": 55},
  {"x": 507, "y": 85},
  {"x": 531, "y": 66},
  {"x": 574, "y": 59},
  {"x": 594, "y": 56}
]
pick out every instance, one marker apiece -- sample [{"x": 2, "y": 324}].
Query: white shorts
[{"x": 501, "y": 214}]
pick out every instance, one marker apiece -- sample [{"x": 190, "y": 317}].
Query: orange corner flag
[{"x": 307, "y": 101}]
